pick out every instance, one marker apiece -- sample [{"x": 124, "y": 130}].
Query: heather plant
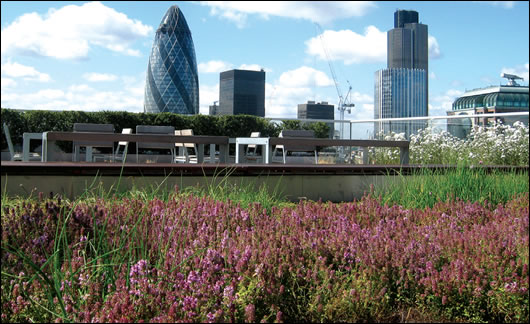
[{"x": 195, "y": 259}]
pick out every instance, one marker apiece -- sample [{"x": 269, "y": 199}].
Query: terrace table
[
  {"x": 222, "y": 141},
  {"x": 264, "y": 141},
  {"x": 364, "y": 144}
]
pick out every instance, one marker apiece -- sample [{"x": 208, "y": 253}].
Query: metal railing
[{"x": 365, "y": 128}]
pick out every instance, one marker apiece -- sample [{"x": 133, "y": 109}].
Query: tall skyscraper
[
  {"x": 172, "y": 81},
  {"x": 242, "y": 92},
  {"x": 401, "y": 90}
]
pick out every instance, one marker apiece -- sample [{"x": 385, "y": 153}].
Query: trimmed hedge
[{"x": 38, "y": 121}]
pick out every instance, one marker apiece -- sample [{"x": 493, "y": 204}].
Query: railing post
[
  {"x": 404, "y": 154},
  {"x": 364, "y": 149}
]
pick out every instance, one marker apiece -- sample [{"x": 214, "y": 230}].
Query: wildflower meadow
[
  {"x": 439, "y": 249},
  {"x": 497, "y": 144}
]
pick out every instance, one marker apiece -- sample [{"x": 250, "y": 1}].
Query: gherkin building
[{"x": 172, "y": 82}]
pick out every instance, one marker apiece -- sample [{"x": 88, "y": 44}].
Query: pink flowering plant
[{"x": 194, "y": 259}]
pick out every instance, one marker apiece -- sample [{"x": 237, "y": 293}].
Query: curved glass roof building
[{"x": 172, "y": 81}]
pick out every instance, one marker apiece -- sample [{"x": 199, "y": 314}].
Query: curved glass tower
[{"x": 172, "y": 82}]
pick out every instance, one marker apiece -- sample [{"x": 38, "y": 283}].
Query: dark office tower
[
  {"x": 407, "y": 42},
  {"x": 172, "y": 81},
  {"x": 317, "y": 110},
  {"x": 401, "y": 90},
  {"x": 242, "y": 92}
]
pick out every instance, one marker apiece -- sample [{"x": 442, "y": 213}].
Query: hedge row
[{"x": 38, "y": 121}]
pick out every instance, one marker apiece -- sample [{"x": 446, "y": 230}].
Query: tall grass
[{"x": 427, "y": 187}]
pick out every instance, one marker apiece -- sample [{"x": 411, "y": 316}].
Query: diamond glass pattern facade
[{"x": 172, "y": 82}]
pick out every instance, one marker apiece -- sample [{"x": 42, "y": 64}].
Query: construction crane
[{"x": 345, "y": 103}]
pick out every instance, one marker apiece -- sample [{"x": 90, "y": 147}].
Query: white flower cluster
[{"x": 496, "y": 144}]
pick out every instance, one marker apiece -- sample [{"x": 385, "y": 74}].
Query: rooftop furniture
[
  {"x": 14, "y": 156},
  {"x": 183, "y": 148},
  {"x": 254, "y": 141},
  {"x": 304, "y": 146},
  {"x": 363, "y": 144},
  {"x": 125, "y": 144},
  {"x": 252, "y": 148},
  {"x": 92, "y": 128},
  {"x": 155, "y": 130},
  {"x": 48, "y": 138},
  {"x": 26, "y": 154}
]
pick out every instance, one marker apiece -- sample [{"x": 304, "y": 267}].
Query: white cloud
[
  {"x": 253, "y": 67},
  {"x": 78, "y": 97},
  {"x": 79, "y": 88},
  {"x": 69, "y": 32},
  {"x": 434, "y": 48},
  {"x": 503, "y": 4},
  {"x": 349, "y": 46},
  {"x": 316, "y": 11},
  {"x": 99, "y": 77},
  {"x": 441, "y": 103},
  {"x": 7, "y": 82},
  {"x": 305, "y": 77},
  {"x": 292, "y": 88},
  {"x": 214, "y": 66},
  {"x": 17, "y": 70},
  {"x": 207, "y": 95},
  {"x": 520, "y": 70}
]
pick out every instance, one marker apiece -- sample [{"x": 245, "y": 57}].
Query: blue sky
[{"x": 60, "y": 55}]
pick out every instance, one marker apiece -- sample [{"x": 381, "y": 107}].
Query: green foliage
[
  {"x": 38, "y": 121},
  {"x": 321, "y": 129},
  {"x": 428, "y": 187}
]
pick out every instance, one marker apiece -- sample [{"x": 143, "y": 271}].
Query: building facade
[
  {"x": 494, "y": 99},
  {"x": 172, "y": 81},
  {"x": 318, "y": 110},
  {"x": 400, "y": 93},
  {"x": 242, "y": 92},
  {"x": 401, "y": 90}
]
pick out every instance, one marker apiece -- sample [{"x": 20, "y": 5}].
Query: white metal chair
[
  {"x": 15, "y": 156},
  {"x": 184, "y": 156},
  {"x": 252, "y": 149},
  {"x": 123, "y": 155}
]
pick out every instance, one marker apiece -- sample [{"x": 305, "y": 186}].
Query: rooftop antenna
[{"x": 511, "y": 79}]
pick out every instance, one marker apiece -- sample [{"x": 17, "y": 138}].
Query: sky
[{"x": 90, "y": 56}]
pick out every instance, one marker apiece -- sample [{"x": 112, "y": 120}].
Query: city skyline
[{"x": 100, "y": 63}]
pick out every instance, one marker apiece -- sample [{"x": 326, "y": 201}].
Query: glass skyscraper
[
  {"x": 401, "y": 90},
  {"x": 400, "y": 93},
  {"x": 172, "y": 81}
]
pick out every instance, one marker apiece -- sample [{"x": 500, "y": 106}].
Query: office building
[
  {"x": 401, "y": 90},
  {"x": 400, "y": 93},
  {"x": 172, "y": 81},
  {"x": 320, "y": 110},
  {"x": 494, "y": 99},
  {"x": 242, "y": 92}
]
